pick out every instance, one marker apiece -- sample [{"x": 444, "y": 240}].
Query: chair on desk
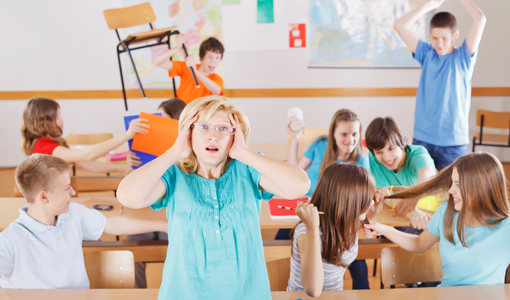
[
  {"x": 74, "y": 185},
  {"x": 110, "y": 269},
  {"x": 399, "y": 266},
  {"x": 87, "y": 139},
  {"x": 278, "y": 272},
  {"x": 134, "y": 16},
  {"x": 496, "y": 120}
]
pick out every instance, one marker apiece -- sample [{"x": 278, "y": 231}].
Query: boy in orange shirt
[{"x": 211, "y": 53}]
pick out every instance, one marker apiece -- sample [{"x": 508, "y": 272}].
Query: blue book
[{"x": 144, "y": 157}]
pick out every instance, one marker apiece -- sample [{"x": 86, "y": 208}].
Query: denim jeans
[{"x": 443, "y": 156}]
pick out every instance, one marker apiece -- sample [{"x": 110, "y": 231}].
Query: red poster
[{"x": 297, "y": 36}]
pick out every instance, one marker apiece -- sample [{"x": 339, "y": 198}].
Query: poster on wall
[
  {"x": 360, "y": 33},
  {"x": 196, "y": 19}
]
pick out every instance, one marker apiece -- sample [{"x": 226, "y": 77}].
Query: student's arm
[
  {"x": 101, "y": 149},
  {"x": 124, "y": 226},
  {"x": 144, "y": 187},
  {"x": 476, "y": 30},
  {"x": 406, "y": 206},
  {"x": 403, "y": 25},
  {"x": 309, "y": 245},
  {"x": 278, "y": 177},
  {"x": 209, "y": 84},
  {"x": 410, "y": 242},
  {"x": 101, "y": 167},
  {"x": 304, "y": 162},
  {"x": 163, "y": 60}
]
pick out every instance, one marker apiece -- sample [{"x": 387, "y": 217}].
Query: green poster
[
  {"x": 230, "y": 2},
  {"x": 265, "y": 12}
]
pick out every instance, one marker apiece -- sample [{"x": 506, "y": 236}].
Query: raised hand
[
  {"x": 293, "y": 134},
  {"x": 433, "y": 4},
  {"x": 137, "y": 126},
  {"x": 190, "y": 62},
  {"x": 238, "y": 146},
  {"x": 179, "y": 40},
  {"x": 182, "y": 146},
  {"x": 308, "y": 213}
]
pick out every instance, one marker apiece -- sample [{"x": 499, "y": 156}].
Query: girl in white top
[{"x": 328, "y": 242}]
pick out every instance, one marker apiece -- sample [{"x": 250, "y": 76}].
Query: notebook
[
  {"x": 144, "y": 157},
  {"x": 282, "y": 214},
  {"x": 161, "y": 136}
]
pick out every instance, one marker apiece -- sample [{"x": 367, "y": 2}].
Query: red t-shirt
[
  {"x": 187, "y": 91},
  {"x": 45, "y": 145}
]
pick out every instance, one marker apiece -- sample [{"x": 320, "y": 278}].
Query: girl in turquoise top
[
  {"x": 342, "y": 144},
  {"x": 472, "y": 226},
  {"x": 215, "y": 246}
]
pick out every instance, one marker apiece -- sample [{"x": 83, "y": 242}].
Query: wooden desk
[
  {"x": 501, "y": 291},
  {"x": 383, "y": 217},
  {"x": 9, "y": 209}
]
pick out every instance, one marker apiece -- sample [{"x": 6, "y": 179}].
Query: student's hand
[
  {"x": 433, "y": 4},
  {"x": 373, "y": 229},
  {"x": 419, "y": 219},
  {"x": 132, "y": 160},
  {"x": 403, "y": 207},
  {"x": 137, "y": 126},
  {"x": 293, "y": 134},
  {"x": 179, "y": 40},
  {"x": 182, "y": 146},
  {"x": 308, "y": 213},
  {"x": 190, "y": 62},
  {"x": 238, "y": 146}
]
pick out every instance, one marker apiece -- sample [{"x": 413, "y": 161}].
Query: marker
[{"x": 291, "y": 208}]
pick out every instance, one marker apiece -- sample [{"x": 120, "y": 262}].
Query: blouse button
[
  {"x": 216, "y": 217},
  {"x": 217, "y": 231},
  {"x": 214, "y": 198},
  {"x": 216, "y": 206}
]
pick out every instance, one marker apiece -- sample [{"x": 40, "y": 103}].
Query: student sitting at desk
[
  {"x": 42, "y": 249},
  {"x": 472, "y": 226},
  {"x": 42, "y": 133},
  {"x": 211, "y": 202}
]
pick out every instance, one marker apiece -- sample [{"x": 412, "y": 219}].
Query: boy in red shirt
[{"x": 211, "y": 53}]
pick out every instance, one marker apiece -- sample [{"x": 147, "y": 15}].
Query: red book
[{"x": 278, "y": 213}]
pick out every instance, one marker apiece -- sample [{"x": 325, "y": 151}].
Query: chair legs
[
  {"x": 136, "y": 72},
  {"x": 122, "y": 80}
]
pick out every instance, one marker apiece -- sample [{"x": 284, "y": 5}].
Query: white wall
[{"x": 66, "y": 45}]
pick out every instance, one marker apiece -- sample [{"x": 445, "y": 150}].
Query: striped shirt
[{"x": 333, "y": 275}]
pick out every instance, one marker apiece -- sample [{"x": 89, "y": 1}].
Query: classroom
[{"x": 342, "y": 68}]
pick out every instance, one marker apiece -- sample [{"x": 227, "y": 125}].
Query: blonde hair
[
  {"x": 40, "y": 120},
  {"x": 39, "y": 172},
  {"x": 342, "y": 115},
  {"x": 483, "y": 187},
  {"x": 207, "y": 106}
]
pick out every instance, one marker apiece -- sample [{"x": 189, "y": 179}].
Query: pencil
[
  {"x": 291, "y": 208},
  {"x": 391, "y": 202}
]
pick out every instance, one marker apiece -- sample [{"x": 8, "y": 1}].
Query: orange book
[{"x": 161, "y": 136}]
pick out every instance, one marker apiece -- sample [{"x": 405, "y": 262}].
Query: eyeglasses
[{"x": 206, "y": 128}]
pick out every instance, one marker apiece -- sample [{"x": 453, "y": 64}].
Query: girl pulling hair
[
  {"x": 324, "y": 245},
  {"x": 472, "y": 226},
  {"x": 42, "y": 133}
]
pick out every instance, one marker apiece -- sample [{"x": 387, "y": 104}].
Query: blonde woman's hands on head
[
  {"x": 308, "y": 213},
  {"x": 419, "y": 219},
  {"x": 137, "y": 126},
  {"x": 294, "y": 135},
  {"x": 182, "y": 146},
  {"x": 238, "y": 146}
]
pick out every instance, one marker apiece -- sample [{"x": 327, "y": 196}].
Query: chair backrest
[
  {"x": 74, "y": 185},
  {"x": 88, "y": 139},
  {"x": 154, "y": 274},
  {"x": 308, "y": 137},
  {"x": 278, "y": 272},
  {"x": 110, "y": 269},
  {"x": 493, "y": 119},
  {"x": 399, "y": 266},
  {"x": 129, "y": 16}
]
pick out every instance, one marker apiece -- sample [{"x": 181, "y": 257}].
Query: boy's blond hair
[
  {"x": 39, "y": 172},
  {"x": 209, "y": 105}
]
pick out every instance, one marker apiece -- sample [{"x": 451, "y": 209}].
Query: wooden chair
[
  {"x": 74, "y": 185},
  {"x": 87, "y": 139},
  {"x": 308, "y": 137},
  {"x": 399, "y": 266},
  {"x": 110, "y": 269},
  {"x": 278, "y": 272},
  {"x": 154, "y": 274},
  {"x": 492, "y": 119},
  {"x": 134, "y": 16}
]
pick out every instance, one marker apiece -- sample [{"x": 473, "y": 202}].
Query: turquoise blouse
[{"x": 215, "y": 247}]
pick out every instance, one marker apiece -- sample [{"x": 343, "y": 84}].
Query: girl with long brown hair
[
  {"x": 324, "y": 245},
  {"x": 42, "y": 133},
  {"x": 472, "y": 226}
]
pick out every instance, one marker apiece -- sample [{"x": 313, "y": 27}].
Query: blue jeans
[{"x": 443, "y": 156}]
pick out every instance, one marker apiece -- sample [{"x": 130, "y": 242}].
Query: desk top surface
[{"x": 501, "y": 291}]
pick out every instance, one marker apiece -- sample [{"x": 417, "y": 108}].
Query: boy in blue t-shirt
[{"x": 444, "y": 93}]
